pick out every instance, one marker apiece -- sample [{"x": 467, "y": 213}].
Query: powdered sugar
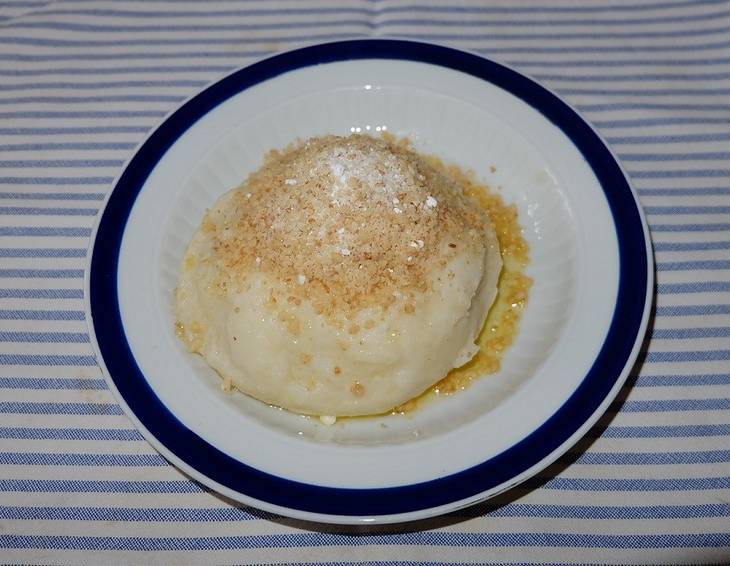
[{"x": 376, "y": 170}]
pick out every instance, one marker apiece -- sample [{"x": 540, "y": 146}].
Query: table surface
[{"x": 81, "y": 84}]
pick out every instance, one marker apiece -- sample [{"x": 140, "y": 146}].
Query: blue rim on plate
[{"x": 608, "y": 369}]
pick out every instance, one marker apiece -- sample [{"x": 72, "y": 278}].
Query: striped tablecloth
[{"x": 82, "y": 82}]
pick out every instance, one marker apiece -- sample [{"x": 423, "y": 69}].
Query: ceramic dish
[{"x": 580, "y": 333}]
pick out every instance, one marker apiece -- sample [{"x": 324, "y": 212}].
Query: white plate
[{"x": 586, "y": 315}]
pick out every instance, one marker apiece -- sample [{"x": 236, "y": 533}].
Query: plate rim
[{"x": 366, "y": 505}]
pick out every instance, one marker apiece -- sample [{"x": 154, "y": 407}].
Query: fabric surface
[{"x": 82, "y": 82}]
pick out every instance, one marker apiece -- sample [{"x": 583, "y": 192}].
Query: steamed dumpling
[{"x": 344, "y": 277}]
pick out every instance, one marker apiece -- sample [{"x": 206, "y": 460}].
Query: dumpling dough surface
[{"x": 343, "y": 278}]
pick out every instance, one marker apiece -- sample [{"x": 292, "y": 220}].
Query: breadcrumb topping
[{"x": 357, "y": 219}]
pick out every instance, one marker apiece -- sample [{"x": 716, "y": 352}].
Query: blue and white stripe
[{"x": 83, "y": 81}]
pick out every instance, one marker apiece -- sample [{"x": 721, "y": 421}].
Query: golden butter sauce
[{"x": 502, "y": 323}]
